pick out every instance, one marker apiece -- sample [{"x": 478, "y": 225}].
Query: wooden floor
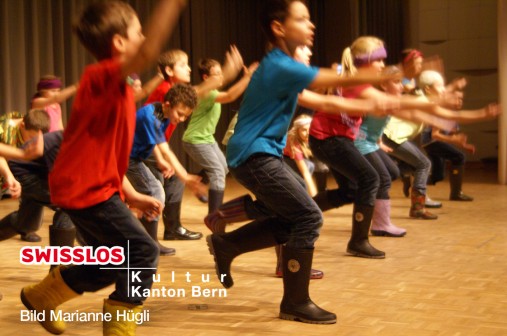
[{"x": 446, "y": 277}]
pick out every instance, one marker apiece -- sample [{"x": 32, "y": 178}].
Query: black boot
[
  {"x": 215, "y": 200},
  {"x": 6, "y": 229},
  {"x": 359, "y": 245},
  {"x": 456, "y": 181},
  {"x": 406, "y": 184},
  {"x": 229, "y": 212},
  {"x": 296, "y": 303},
  {"x": 172, "y": 225},
  {"x": 225, "y": 247},
  {"x": 151, "y": 227},
  {"x": 61, "y": 237},
  {"x": 331, "y": 199}
]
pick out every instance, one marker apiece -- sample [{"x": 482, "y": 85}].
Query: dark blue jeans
[
  {"x": 386, "y": 169},
  {"x": 282, "y": 194},
  {"x": 358, "y": 180},
  {"x": 439, "y": 152},
  {"x": 35, "y": 196},
  {"x": 111, "y": 223}
]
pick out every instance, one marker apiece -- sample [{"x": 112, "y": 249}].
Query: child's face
[
  {"x": 180, "y": 73},
  {"x": 303, "y": 132},
  {"x": 393, "y": 87},
  {"x": 303, "y": 54},
  {"x": 134, "y": 38},
  {"x": 297, "y": 27},
  {"x": 178, "y": 113},
  {"x": 374, "y": 67},
  {"x": 48, "y": 93},
  {"x": 137, "y": 86},
  {"x": 216, "y": 71}
]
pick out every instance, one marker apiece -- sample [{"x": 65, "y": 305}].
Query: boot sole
[
  {"x": 380, "y": 233},
  {"x": 27, "y": 304},
  {"x": 362, "y": 255},
  {"x": 211, "y": 250},
  {"x": 433, "y": 206},
  {"x": 181, "y": 238},
  {"x": 291, "y": 317}
]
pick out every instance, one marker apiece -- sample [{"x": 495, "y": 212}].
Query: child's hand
[
  {"x": 34, "y": 148},
  {"x": 493, "y": 110},
  {"x": 150, "y": 207},
  {"x": 233, "y": 64},
  {"x": 251, "y": 69},
  {"x": 13, "y": 185},
  {"x": 194, "y": 183},
  {"x": 166, "y": 169}
]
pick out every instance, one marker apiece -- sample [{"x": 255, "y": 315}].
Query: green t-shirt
[{"x": 204, "y": 120}]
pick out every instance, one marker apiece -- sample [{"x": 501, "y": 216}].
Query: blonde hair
[
  {"x": 362, "y": 46},
  {"x": 293, "y": 135},
  {"x": 429, "y": 77}
]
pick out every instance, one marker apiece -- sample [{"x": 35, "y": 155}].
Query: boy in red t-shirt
[{"x": 88, "y": 181}]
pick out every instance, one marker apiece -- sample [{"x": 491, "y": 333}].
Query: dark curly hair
[{"x": 182, "y": 93}]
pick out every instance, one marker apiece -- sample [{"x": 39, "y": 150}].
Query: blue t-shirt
[
  {"x": 370, "y": 131},
  {"x": 150, "y": 127},
  {"x": 267, "y": 108}
]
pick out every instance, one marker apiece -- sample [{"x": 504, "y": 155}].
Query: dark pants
[
  {"x": 386, "y": 169},
  {"x": 35, "y": 196},
  {"x": 111, "y": 223},
  {"x": 282, "y": 195},
  {"x": 439, "y": 152},
  {"x": 356, "y": 177}
]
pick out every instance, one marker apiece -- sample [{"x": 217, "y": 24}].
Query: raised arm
[
  {"x": 238, "y": 88},
  {"x": 149, "y": 87},
  {"x": 61, "y": 96}
]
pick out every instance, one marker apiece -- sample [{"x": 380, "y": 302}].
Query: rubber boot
[
  {"x": 381, "y": 224},
  {"x": 332, "y": 199},
  {"x": 152, "y": 228},
  {"x": 429, "y": 203},
  {"x": 6, "y": 229},
  {"x": 314, "y": 274},
  {"x": 417, "y": 209},
  {"x": 119, "y": 326},
  {"x": 46, "y": 296},
  {"x": 61, "y": 237},
  {"x": 359, "y": 245},
  {"x": 172, "y": 225},
  {"x": 406, "y": 184},
  {"x": 456, "y": 181},
  {"x": 320, "y": 181},
  {"x": 225, "y": 247},
  {"x": 296, "y": 303},
  {"x": 229, "y": 212},
  {"x": 215, "y": 200}
]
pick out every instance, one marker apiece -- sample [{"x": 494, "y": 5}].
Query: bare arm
[
  {"x": 161, "y": 24},
  {"x": 238, "y": 88},
  {"x": 149, "y": 206},
  {"x": 334, "y": 104},
  {"x": 149, "y": 87},
  {"x": 329, "y": 78},
  {"x": 10, "y": 180},
  {"x": 303, "y": 169},
  {"x": 61, "y": 96}
]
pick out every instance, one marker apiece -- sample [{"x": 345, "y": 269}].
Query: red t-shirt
[
  {"x": 326, "y": 125},
  {"x": 158, "y": 95},
  {"x": 97, "y": 141}
]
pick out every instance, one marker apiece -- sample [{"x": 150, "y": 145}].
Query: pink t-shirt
[{"x": 55, "y": 116}]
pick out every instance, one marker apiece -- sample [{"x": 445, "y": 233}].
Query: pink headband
[
  {"x": 376, "y": 55},
  {"x": 413, "y": 54},
  {"x": 46, "y": 84}
]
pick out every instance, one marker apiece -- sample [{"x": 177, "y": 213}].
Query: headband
[
  {"x": 46, "y": 84},
  {"x": 375, "y": 55},
  {"x": 412, "y": 54}
]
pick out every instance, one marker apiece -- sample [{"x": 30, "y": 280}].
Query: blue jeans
[
  {"x": 386, "y": 169},
  {"x": 111, "y": 223},
  {"x": 283, "y": 196},
  {"x": 409, "y": 153},
  {"x": 358, "y": 180},
  {"x": 439, "y": 152},
  {"x": 211, "y": 158}
]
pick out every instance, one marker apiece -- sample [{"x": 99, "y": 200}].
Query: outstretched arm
[
  {"x": 61, "y": 96},
  {"x": 238, "y": 88}
]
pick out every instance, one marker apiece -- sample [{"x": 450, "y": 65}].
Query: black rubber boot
[
  {"x": 296, "y": 303},
  {"x": 6, "y": 229},
  {"x": 331, "y": 199},
  {"x": 456, "y": 181},
  {"x": 151, "y": 227},
  {"x": 215, "y": 200},
  {"x": 172, "y": 224},
  {"x": 359, "y": 245},
  {"x": 61, "y": 237},
  {"x": 225, "y": 247},
  {"x": 406, "y": 184},
  {"x": 320, "y": 181}
]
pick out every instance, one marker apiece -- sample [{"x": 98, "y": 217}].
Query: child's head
[
  {"x": 135, "y": 82},
  {"x": 287, "y": 22},
  {"x": 298, "y": 134},
  {"x": 393, "y": 86},
  {"x": 48, "y": 86},
  {"x": 33, "y": 122},
  {"x": 209, "y": 67},
  {"x": 179, "y": 102},
  {"x": 366, "y": 53},
  {"x": 412, "y": 61},
  {"x": 432, "y": 83},
  {"x": 173, "y": 65},
  {"x": 108, "y": 29},
  {"x": 303, "y": 54}
]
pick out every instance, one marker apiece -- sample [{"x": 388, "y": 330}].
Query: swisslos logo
[{"x": 65, "y": 255}]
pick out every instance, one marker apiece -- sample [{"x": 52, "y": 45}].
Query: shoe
[
  {"x": 202, "y": 198},
  {"x": 181, "y": 233},
  {"x": 429, "y": 203},
  {"x": 461, "y": 197},
  {"x": 31, "y": 237}
]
